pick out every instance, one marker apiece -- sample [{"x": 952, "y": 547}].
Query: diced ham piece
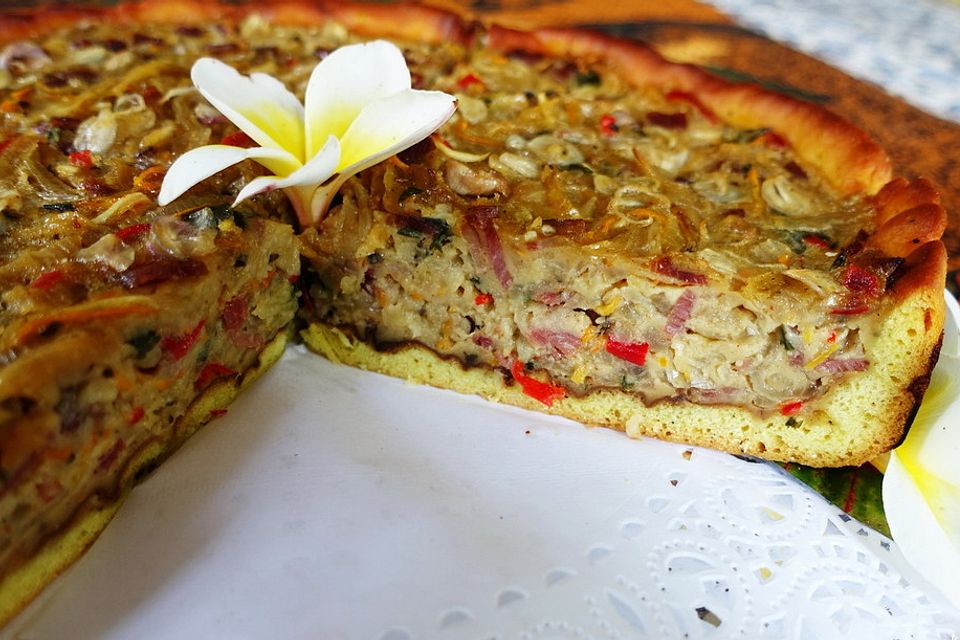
[
  {"x": 482, "y": 235},
  {"x": 235, "y": 313},
  {"x": 664, "y": 266},
  {"x": 725, "y": 395},
  {"x": 161, "y": 270},
  {"x": 483, "y": 341},
  {"x": 686, "y": 96},
  {"x": 842, "y": 365},
  {"x": 679, "y": 314},
  {"x": 667, "y": 120},
  {"x": 563, "y": 343},
  {"x": 552, "y": 298}
]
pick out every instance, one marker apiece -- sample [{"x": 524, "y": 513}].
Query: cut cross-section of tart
[
  {"x": 124, "y": 325},
  {"x": 604, "y": 235}
]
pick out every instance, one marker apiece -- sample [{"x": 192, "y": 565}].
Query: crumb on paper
[{"x": 708, "y": 616}]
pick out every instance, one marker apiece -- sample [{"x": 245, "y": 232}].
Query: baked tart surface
[{"x": 595, "y": 233}]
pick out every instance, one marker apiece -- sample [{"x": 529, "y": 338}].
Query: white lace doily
[{"x": 332, "y": 503}]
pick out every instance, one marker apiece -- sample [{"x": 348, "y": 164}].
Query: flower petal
[
  {"x": 392, "y": 124},
  {"x": 318, "y": 170},
  {"x": 347, "y": 80},
  {"x": 199, "y": 164},
  {"x": 259, "y": 104},
  {"x": 921, "y": 485}
]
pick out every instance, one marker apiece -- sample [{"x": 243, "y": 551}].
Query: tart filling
[
  {"x": 606, "y": 237},
  {"x": 116, "y": 315}
]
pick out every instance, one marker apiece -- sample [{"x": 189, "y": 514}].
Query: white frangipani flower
[
  {"x": 921, "y": 483},
  {"x": 359, "y": 110}
]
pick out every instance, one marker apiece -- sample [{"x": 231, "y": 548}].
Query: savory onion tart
[
  {"x": 595, "y": 233},
  {"x": 603, "y": 235}
]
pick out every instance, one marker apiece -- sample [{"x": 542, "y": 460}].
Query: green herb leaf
[
  {"x": 794, "y": 239},
  {"x": 410, "y": 232},
  {"x": 749, "y": 135},
  {"x": 59, "y": 206},
  {"x": 783, "y": 338},
  {"x": 211, "y": 217},
  {"x": 589, "y": 77},
  {"x": 409, "y": 192},
  {"x": 144, "y": 342}
]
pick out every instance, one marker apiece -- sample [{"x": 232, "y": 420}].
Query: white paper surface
[{"x": 333, "y": 503}]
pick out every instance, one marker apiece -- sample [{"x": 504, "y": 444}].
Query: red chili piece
[
  {"x": 790, "y": 408},
  {"x": 238, "y": 139},
  {"x": 468, "y": 81},
  {"x": 211, "y": 372},
  {"x": 137, "y": 415},
  {"x": 48, "y": 280},
  {"x": 635, "y": 352},
  {"x": 540, "y": 391},
  {"x": 851, "y": 499},
  {"x": 482, "y": 299},
  {"x": 216, "y": 413},
  {"x": 608, "y": 124},
  {"x": 816, "y": 241},
  {"x": 179, "y": 346},
  {"x": 82, "y": 159},
  {"x": 131, "y": 233}
]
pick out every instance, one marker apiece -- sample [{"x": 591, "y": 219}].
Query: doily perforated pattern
[
  {"x": 382, "y": 511},
  {"x": 745, "y": 553}
]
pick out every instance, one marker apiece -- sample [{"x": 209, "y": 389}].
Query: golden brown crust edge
[
  {"x": 402, "y": 20},
  {"x": 20, "y": 587}
]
